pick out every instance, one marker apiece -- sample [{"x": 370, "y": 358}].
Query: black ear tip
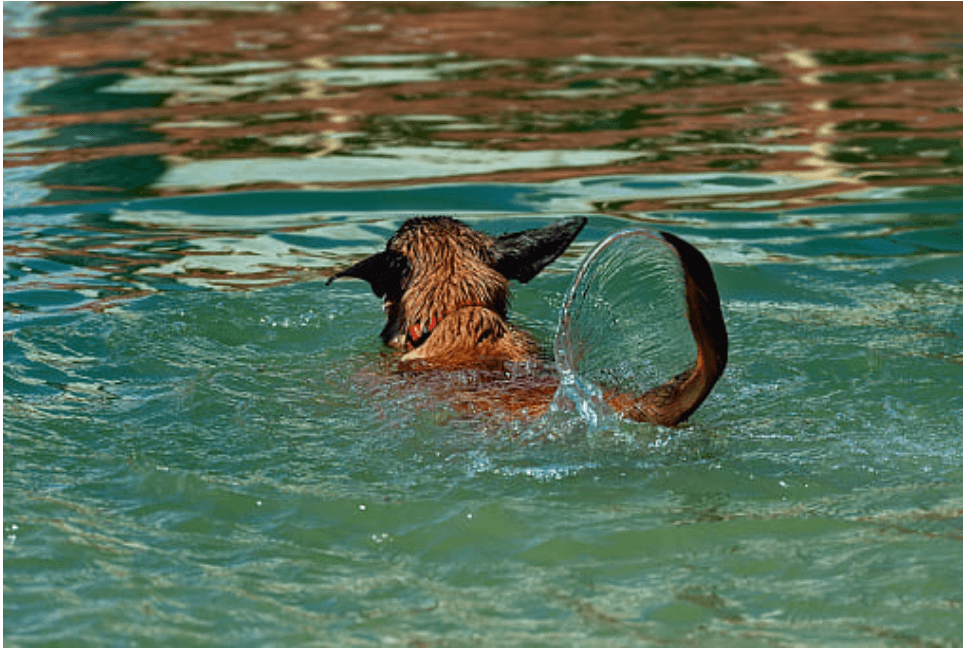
[
  {"x": 572, "y": 226},
  {"x": 385, "y": 272},
  {"x": 575, "y": 225},
  {"x": 342, "y": 275},
  {"x": 521, "y": 255}
]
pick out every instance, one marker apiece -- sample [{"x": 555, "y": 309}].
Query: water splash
[{"x": 623, "y": 324}]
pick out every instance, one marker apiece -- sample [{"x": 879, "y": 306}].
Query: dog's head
[{"x": 434, "y": 265}]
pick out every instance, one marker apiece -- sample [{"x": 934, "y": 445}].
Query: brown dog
[{"x": 445, "y": 288}]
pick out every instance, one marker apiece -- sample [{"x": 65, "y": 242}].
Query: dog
[{"x": 445, "y": 289}]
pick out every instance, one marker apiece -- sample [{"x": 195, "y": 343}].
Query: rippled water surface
[{"x": 202, "y": 442}]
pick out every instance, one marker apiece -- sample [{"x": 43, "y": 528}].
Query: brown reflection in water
[{"x": 853, "y": 93}]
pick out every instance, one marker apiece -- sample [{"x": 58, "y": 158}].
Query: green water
[
  {"x": 221, "y": 467},
  {"x": 203, "y": 445}
]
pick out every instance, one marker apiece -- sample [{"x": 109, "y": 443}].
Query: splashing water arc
[{"x": 623, "y": 323}]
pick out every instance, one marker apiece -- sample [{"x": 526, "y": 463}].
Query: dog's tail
[{"x": 677, "y": 399}]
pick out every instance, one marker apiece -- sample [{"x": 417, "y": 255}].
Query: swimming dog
[{"x": 445, "y": 292}]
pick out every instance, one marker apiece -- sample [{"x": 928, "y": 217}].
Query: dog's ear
[
  {"x": 385, "y": 272},
  {"x": 521, "y": 255}
]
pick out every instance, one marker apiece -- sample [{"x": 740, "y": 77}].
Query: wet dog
[{"x": 445, "y": 291}]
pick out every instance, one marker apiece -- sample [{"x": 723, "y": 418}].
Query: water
[
  {"x": 202, "y": 445},
  {"x": 623, "y": 323}
]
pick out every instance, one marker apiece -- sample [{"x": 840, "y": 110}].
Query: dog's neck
[
  {"x": 419, "y": 332},
  {"x": 466, "y": 334},
  {"x": 448, "y": 307}
]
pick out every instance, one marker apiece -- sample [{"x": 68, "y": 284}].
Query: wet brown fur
[
  {"x": 452, "y": 280},
  {"x": 440, "y": 271}
]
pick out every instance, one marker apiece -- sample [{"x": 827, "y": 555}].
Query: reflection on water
[
  {"x": 289, "y": 95},
  {"x": 201, "y": 447},
  {"x": 108, "y": 250}
]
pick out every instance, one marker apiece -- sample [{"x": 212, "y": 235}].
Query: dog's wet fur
[{"x": 445, "y": 289}]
